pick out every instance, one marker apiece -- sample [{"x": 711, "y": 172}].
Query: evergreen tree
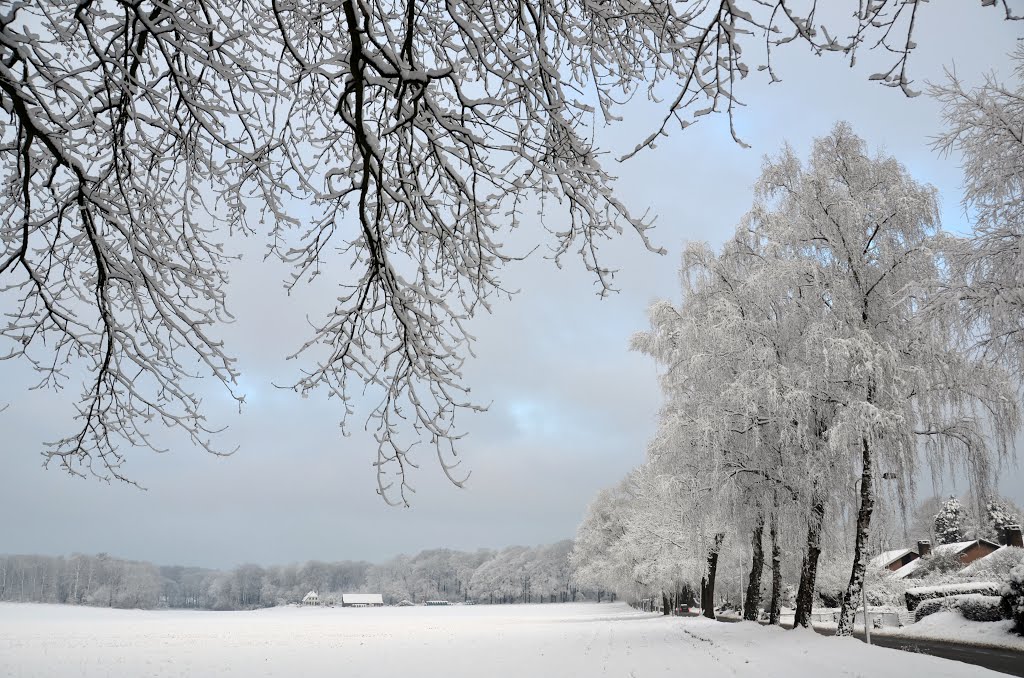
[
  {"x": 949, "y": 522},
  {"x": 1000, "y": 516}
]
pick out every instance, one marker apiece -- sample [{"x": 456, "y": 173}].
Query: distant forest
[{"x": 517, "y": 574}]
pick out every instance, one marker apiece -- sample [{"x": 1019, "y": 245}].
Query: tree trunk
[
  {"x": 809, "y": 570},
  {"x": 665, "y": 607},
  {"x": 775, "y": 606},
  {"x": 848, "y": 611},
  {"x": 709, "y": 592},
  {"x": 753, "y": 600}
]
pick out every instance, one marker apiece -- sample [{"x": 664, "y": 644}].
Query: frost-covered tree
[
  {"x": 800, "y": 366},
  {"x": 725, "y": 418},
  {"x": 865, "y": 248},
  {"x": 983, "y": 125},
  {"x": 949, "y": 522},
  {"x": 595, "y": 558},
  {"x": 1001, "y": 514},
  {"x": 920, "y": 523},
  {"x": 138, "y": 138}
]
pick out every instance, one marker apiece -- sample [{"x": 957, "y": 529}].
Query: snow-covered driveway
[{"x": 461, "y": 641}]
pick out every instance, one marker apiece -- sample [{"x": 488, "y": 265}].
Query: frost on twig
[
  {"x": 115, "y": 127},
  {"x": 985, "y": 125}
]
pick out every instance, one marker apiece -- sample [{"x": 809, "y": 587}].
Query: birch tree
[
  {"x": 139, "y": 138},
  {"x": 985, "y": 125},
  {"x": 800, "y": 361},
  {"x": 730, "y": 352},
  {"x": 864, "y": 238}
]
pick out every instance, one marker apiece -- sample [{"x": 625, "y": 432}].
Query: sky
[{"x": 571, "y": 409}]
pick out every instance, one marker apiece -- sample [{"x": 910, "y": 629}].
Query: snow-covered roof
[
  {"x": 362, "y": 599},
  {"x": 961, "y": 546},
  {"x": 980, "y": 563},
  {"x": 886, "y": 558},
  {"x": 312, "y": 595},
  {"x": 908, "y": 569},
  {"x": 955, "y": 547}
]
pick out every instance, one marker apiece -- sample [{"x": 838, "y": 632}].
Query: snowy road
[{"x": 538, "y": 640}]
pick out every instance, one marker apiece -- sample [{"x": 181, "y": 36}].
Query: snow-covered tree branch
[{"x": 138, "y": 138}]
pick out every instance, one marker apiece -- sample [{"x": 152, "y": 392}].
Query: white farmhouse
[{"x": 311, "y": 598}]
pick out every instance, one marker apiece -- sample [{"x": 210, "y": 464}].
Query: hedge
[
  {"x": 917, "y": 595},
  {"x": 971, "y": 606}
]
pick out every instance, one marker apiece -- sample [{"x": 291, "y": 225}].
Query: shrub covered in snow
[
  {"x": 833, "y": 576},
  {"x": 979, "y": 608},
  {"x": 884, "y": 589},
  {"x": 1013, "y": 598},
  {"x": 938, "y": 563},
  {"x": 929, "y": 607},
  {"x": 972, "y": 606},
  {"x": 919, "y": 594},
  {"x": 788, "y": 596},
  {"x": 996, "y": 566}
]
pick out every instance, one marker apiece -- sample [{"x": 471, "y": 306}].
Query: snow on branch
[{"x": 415, "y": 135}]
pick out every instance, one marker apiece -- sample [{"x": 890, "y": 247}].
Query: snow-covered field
[{"x": 536, "y": 640}]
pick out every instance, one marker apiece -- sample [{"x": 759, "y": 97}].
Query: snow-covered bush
[
  {"x": 833, "y": 576},
  {"x": 938, "y": 563},
  {"x": 788, "y": 595},
  {"x": 998, "y": 565},
  {"x": 979, "y": 608},
  {"x": 972, "y": 606},
  {"x": 883, "y": 588},
  {"x": 917, "y": 595},
  {"x": 1013, "y": 598},
  {"x": 929, "y": 607}
]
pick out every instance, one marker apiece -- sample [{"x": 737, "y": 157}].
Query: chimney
[
  {"x": 924, "y": 548},
  {"x": 1013, "y": 536}
]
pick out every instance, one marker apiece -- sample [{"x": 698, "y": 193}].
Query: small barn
[
  {"x": 362, "y": 600},
  {"x": 311, "y": 598}
]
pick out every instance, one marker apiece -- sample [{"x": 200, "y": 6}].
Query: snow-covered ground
[{"x": 450, "y": 642}]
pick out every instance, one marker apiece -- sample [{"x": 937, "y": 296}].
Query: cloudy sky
[{"x": 571, "y": 408}]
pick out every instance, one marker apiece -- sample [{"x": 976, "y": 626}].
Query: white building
[
  {"x": 311, "y": 598},
  {"x": 362, "y": 600}
]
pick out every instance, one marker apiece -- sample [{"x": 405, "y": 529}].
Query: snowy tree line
[
  {"x": 517, "y": 574},
  {"x": 838, "y": 346}
]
